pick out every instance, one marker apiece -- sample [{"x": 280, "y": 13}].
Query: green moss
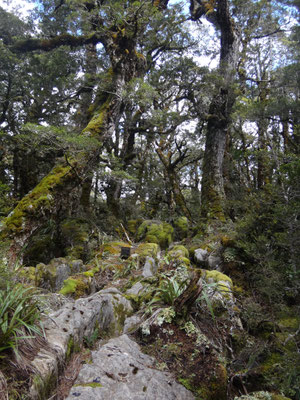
[
  {"x": 132, "y": 226},
  {"x": 38, "y": 201},
  {"x": 114, "y": 247},
  {"x": 291, "y": 323},
  {"x": 178, "y": 251},
  {"x": 279, "y": 397},
  {"x": 181, "y": 227},
  {"x": 147, "y": 250},
  {"x": 91, "y": 272},
  {"x": 96, "y": 124},
  {"x": 27, "y": 274},
  {"x": 76, "y": 286},
  {"x": 89, "y": 384},
  {"x": 157, "y": 232},
  {"x": 218, "y": 277}
]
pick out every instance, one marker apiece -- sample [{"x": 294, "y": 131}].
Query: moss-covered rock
[
  {"x": 147, "y": 250},
  {"x": 223, "y": 281},
  {"x": 113, "y": 248},
  {"x": 181, "y": 228},
  {"x": 157, "y": 232},
  {"x": 179, "y": 254},
  {"x": 52, "y": 276},
  {"x": 76, "y": 286}
]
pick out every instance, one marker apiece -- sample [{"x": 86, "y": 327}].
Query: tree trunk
[
  {"x": 58, "y": 194},
  {"x": 212, "y": 194}
]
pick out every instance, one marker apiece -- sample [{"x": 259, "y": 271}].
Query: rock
[
  {"x": 119, "y": 370},
  {"x": 261, "y": 396},
  {"x": 200, "y": 257},
  {"x": 66, "y": 329},
  {"x": 132, "y": 323},
  {"x": 150, "y": 267},
  {"x": 205, "y": 259},
  {"x": 136, "y": 289},
  {"x": 52, "y": 276},
  {"x": 214, "y": 262}
]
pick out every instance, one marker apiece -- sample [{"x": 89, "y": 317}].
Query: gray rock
[
  {"x": 132, "y": 323},
  {"x": 214, "y": 262},
  {"x": 200, "y": 257},
  {"x": 150, "y": 267},
  {"x": 67, "y": 328},
  {"x": 119, "y": 370},
  {"x": 136, "y": 289}
]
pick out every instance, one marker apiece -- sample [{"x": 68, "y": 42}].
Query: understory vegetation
[{"x": 154, "y": 150}]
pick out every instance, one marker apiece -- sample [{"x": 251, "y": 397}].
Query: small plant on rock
[{"x": 169, "y": 292}]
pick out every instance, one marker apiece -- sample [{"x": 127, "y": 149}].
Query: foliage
[
  {"x": 168, "y": 292},
  {"x": 19, "y": 316}
]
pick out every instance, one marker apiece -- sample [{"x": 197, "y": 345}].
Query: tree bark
[{"x": 212, "y": 193}]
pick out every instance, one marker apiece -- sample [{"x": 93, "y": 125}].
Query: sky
[{"x": 22, "y": 6}]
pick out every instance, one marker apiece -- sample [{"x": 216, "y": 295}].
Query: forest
[{"x": 150, "y": 199}]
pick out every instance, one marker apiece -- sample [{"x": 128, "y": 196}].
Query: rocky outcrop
[
  {"x": 119, "y": 370},
  {"x": 66, "y": 329}
]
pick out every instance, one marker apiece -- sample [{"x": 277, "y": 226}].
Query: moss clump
[
  {"x": 132, "y": 226},
  {"x": 76, "y": 286},
  {"x": 224, "y": 282},
  {"x": 178, "y": 251},
  {"x": 27, "y": 274},
  {"x": 147, "y": 250},
  {"x": 181, "y": 227},
  {"x": 156, "y": 232},
  {"x": 39, "y": 201},
  {"x": 91, "y": 272}
]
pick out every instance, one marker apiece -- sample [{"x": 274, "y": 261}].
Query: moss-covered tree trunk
[{"x": 58, "y": 195}]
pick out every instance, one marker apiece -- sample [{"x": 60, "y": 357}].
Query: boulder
[
  {"x": 66, "y": 329},
  {"x": 119, "y": 370}
]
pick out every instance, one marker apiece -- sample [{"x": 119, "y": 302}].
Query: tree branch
[{"x": 27, "y": 45}]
